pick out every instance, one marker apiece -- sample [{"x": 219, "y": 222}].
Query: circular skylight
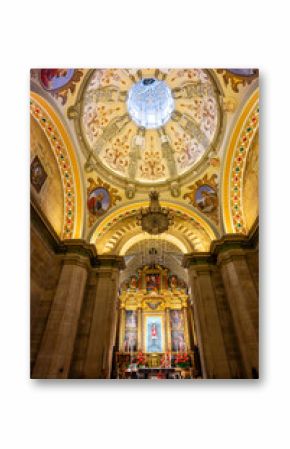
[{"x": 150, "y": 103}]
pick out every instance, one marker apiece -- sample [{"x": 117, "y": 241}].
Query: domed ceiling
[
  {"x": 149, "y": 126},
  {"x": 190, "y": 134}
]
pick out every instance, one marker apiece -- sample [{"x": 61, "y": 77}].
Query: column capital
[
  {"x": 230, "y": 255},
  {"x": 198, "y": 259},
  {"x": 230, "y": 242},
  {"x": 238, "y": 244},
  {"x": 109, "y": 262}
]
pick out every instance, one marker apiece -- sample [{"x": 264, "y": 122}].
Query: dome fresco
[{"x": 149, "y": 126}]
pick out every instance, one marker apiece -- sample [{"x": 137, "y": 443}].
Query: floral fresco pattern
[{"x": 109, "y": 132}]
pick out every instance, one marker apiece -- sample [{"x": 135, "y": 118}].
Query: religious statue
[
  {"x": 175, "y": 189},
  {"x": 133, "y": 283},
  {"x": 130, "y": 191},
  {"x": 154, "y": 335},
  {"x": 173, "y": 282},
  {"x": 152, "y": 282}
]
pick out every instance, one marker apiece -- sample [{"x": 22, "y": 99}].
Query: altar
[{"x": 154, "y": 340}]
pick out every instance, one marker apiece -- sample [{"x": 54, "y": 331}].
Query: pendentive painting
[{"x": 144, "y": 188}]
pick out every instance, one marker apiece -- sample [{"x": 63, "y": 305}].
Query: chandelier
[{"x": 154, "y": 219}]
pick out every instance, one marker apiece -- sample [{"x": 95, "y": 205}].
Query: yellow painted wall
[{"x": 50, "y": 197}]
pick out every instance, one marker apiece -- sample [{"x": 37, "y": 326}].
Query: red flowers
[
  {"x": 182, "y": 359},
  {"x": 140, "y": 358}
]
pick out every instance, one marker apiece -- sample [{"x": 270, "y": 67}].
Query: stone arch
[
  {"x": 191, "y": 230},
  {"x": 64, "y": 152},
  {"x": 240, "y": 144}
]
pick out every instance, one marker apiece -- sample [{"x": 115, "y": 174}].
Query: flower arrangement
[
  {"x": 182, "y": 360},
  {"x": 140, "y": 359}
]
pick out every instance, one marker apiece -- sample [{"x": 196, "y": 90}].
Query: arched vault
[
  {"x": 65, "y": 155},
  {"x": 118, "y": 230},
  {"x": 241, "y": 143}
]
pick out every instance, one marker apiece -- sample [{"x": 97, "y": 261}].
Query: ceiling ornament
[
  {"x": 100, "y": 197},
  {"x": 147, "y": 126},
  {"x": 154, "y": 219},
  {"x": 237, "y": 77},
  {"x": 189, "y": 218},
  {"x": 175, "y": 189},
  {"x": 203, "y": 196}
]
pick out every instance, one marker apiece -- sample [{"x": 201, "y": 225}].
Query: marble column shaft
[
  {"x": 102, "y": 337},
  {"x": 140, "y": 324},
  {"x": 122, "y": 318},
  {"x": 56, "y": 349},
  {"x": 209, "y": 334},
  {"x": 244, "y": 305}
]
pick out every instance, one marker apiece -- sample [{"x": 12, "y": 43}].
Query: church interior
[{"x": 144, "y": 218}]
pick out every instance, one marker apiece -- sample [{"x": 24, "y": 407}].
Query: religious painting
[
  {"x": 130, "y": 342},
  {"x": 177, "y": 331},
  {"x": 152, "y": 282},
  {"x": 154, "y": 334},
  {"x": 37, "y": 174},
  {"x": 54, "y": 79},
  {"x": 203, "y": 195},
  {"x": 98, "y": 201},
  {"x": 100, "y": 197},
  {"x": 206, "y": 198},
  {"x": 178, "y": 341},
  {"x": 131, "y": 319},
  {"x": 176, "y": 319}
]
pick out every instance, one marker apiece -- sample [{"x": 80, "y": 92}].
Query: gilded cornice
[
  {"x": 234, "y": 244},
  {"x": 71, "y": 248}
]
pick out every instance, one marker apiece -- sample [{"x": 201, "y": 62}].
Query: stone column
[
  {"x": 167, "y": 330},
  {"x": 244, "y": 305},
  {"x": 98, "y": 359},
  {"x": 209, "y": 334},
  {"x": 139, "y": 329},
  {"x": 56, "y": 349},
  {"x": 122, "y": 328},
  {"x": 185, "y": 328}
]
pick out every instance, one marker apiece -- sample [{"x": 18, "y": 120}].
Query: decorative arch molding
[
  {"x": 64, "y": 153},
  {"x": 119, "y": 213},
  {"x": 240, "y": 143},
  {"x": 140, "y": 237},
  {"x": 185, "y": 239}
]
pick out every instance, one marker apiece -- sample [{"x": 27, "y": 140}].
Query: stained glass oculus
[{"x": 150, "y": 103}]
